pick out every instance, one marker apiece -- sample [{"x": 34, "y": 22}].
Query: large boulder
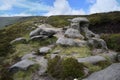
[
  {"x": 44, "y": 30},
  {"x": 98, "y": 43},
  {"x": 70, "y": 42},
  {"x": 19, "y": 40},
  {"x": 22, "y": 65},
  {"x": 73, "y": 33},
  {"x": 110, "y": 73}
]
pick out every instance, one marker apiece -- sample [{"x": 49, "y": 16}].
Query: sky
[{"x": 56, "y": 7}]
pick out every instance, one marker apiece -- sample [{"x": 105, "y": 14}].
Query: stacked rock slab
[{"x": 73, "y": 35}]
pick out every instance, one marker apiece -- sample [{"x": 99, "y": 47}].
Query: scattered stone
[
  {"x": 44, "y": 50},
  {"x": 19, "y": 40},
  {"x": 110, "y": 73},
  {"x": 22, "y": 65},
  {"x": 91, "y": 59}
]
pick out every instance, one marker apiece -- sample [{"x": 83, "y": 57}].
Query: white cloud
[
  {"x": 6, "y": 4},
  {"x": 11, "y": 15},
  {"x": 62, "y": 7},
  {"x": 104, "y": 6},
  {"x": 30, "y": 5}
]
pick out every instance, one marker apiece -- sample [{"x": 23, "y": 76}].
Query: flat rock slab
[
  {"x": 91, "y": 59},
  {"x": 23, "y": 65},
  {"x": 110, "y": 73}
]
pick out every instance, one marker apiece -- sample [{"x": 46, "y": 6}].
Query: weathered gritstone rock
[
  {"x": 19, "y": 40},
  {"x": 43, "y": 30},
  {"x": 70, "y": 42},
  {"x": 22, "y": 65},
  {"x": 73, "y": 33},
  {"x": 110, "y": 73}
]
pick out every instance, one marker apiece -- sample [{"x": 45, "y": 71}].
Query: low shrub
[
  {"x": 65, "y": 68},
  {"x": 112, "y": 40}
]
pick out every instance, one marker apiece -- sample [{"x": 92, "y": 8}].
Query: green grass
[{"x": 76, "y": 52}]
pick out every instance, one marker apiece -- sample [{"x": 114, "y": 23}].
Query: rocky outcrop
[
  {"x": 42, "y": 32},
  {"x": 19, "y": 40},
  {"x": 110, "y": 73}
]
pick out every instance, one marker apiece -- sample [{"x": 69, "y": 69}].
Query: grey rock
[
  {"x": 44, "y": 50},
  {"x": 35, "y": 32},
  {"x": 22, "y": 65},
  {"x": 19, "y": 40},
  {"x": 70, "y": 42},
  {"x": 91, "y": 59},
  {"x": 110, "y": 73},
  {"x": 66, "y": 41},
  {"x": 73, "y": 33},
  {"x": 96, "y": 43},
  {"x": 43, "y": 30},
  {"x": 76, "y": 23}
]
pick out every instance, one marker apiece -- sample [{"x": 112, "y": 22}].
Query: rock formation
[{"x": 78, "y": 31}]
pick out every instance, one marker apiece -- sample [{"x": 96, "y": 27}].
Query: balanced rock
[
  {"x": 110, "y": 73},
  {"x": 19, "y": 40}
]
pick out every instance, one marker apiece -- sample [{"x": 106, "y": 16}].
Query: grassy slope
[{"x": 100, "y": 23}]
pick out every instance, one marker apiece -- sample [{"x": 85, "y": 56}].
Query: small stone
[{"x": 44, "y": 50}]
